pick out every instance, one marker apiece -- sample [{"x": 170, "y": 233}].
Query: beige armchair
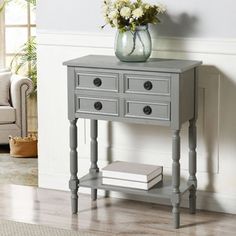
[{"x": 13, "y": 118}]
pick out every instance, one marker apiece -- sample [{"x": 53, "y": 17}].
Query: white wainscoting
[{"x": 149, "y": 144}]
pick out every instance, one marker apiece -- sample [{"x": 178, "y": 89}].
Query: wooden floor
[{"x": 109, "y": 216}]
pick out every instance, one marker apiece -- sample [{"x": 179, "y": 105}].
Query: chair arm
[{"x": 20, "y": 88}]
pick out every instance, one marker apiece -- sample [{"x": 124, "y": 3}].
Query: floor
[
  {"x": 21, "y": 171},
  {"x": 109, "y": 216}
]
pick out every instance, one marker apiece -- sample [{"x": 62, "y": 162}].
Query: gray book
[{"x": 131, "y": 171}]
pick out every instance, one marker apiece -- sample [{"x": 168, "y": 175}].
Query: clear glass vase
[{"x": 133, "y": 46}]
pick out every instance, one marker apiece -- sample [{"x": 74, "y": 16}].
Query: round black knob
[
  {"x": 97, "y": 82},
  {"x": 148, "y": 85},
  {"x": 98, "y": 106},
  {"x": 147, "y": 110}
]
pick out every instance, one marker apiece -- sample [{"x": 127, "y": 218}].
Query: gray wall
[{"x": 186, "y": 18}]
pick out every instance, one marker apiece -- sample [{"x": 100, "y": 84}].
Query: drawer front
[
  {"x": 96, "y": 81},
  {"x": 147, "y": 110},
  {"x": 145, "y": 84},
  {"x": 97, "y": 106}
]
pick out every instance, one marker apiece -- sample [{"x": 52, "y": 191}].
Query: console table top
[{"x": 152, "y": 65}]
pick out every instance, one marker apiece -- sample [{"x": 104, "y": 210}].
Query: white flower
[
  {"x": 123, "y": 1},
  {"x": 115, "y": 22},
  {"x": 120, "y": 3},
  {"x": 131, "y": 20},
  {"x": 125, "y": 12},
  {"x": 137, "y": 13},
  {"x": 107, "y": 20},
  {"x": 161, "y": 8},
  {"x": 113, "y": 14},
  {"x": 147, "y": 6},
  {"x": 105, "y": 8}
]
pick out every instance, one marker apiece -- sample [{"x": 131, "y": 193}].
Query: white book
[
  {"x": 132, "y": 184},
  {"x": 131, "y": 171}
]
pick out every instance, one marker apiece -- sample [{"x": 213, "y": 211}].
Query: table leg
[
  {"x": 192, "y": 165},
  {"x": 176, "y": 178},
  {"x": 94, "y": 153},
  {"x": 73, "y": 183}
]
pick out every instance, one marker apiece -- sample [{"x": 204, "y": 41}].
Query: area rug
[
  {"x": 20, "y": 171},
  {"x": 11, "y": 228}
]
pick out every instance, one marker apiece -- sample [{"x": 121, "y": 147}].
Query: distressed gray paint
[
  {"x": 73, "y": 183},
  {"x": 187, "y": 90},
  {"x": 192, "y": 181},
  {"x": 192, "y": 165},
  {"x": 87, "y": 105},
  {"x": 159, "y": 111},
  {"x": 94, "y": 153},
  {"x": 166, "y": 110},
  {"x": 162, "y": 190},
  {"x": 176, "y": 178},
  {"x": 71, "y": 98},
  {"x": 152, "y": 65},
  {"x": 85, "y": 80},
  {"x": 136, "y": 84}
]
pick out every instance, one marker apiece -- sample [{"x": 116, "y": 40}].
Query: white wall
[
  {"x": 196, "y": 18},
  {"x": 217, "y": 93}
]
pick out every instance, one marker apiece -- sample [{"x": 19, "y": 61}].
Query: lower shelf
[{"x": 162, "y": 189}]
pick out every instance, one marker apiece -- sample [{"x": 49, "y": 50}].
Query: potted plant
[
  {"x": 25, "y": 60},
  {"x": 131, "y": 18}
]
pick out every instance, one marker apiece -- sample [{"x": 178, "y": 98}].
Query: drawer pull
[
  {"x": 98, "y": 106},
  {"x": 97, "y": 82},
  {"x": 147, "y": 110},
  {"x": 148, "y": 85}
]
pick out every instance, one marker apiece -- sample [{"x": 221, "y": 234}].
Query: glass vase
[{"x": 133, "y": 46}]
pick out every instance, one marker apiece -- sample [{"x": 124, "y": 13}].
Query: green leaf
[{"x": 26, "y": 57}]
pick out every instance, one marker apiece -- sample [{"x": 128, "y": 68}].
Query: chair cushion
[
  {"x": 7, "y": 115},
  {"x": 4, "y": 88}
]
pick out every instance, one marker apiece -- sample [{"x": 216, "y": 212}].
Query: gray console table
[{"x": 158, "y": 92}]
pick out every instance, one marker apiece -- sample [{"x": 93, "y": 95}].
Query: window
[{"x": 17, "y": 26}]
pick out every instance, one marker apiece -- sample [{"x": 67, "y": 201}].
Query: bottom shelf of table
[{"x": 162, "y": 189}]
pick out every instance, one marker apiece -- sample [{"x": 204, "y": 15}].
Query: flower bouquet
[{"x": 131, "y": 18}]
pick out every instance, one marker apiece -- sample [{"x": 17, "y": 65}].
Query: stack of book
[{"x": 132, "y": 175}]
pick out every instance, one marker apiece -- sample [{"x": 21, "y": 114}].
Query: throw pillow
[{"x": 4, "y": 88}]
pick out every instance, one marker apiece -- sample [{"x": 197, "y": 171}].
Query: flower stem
[
  {"x": 135, "y": 34},
  {"x": 140, "y": 39},
  {"x": 134, "y": 41}
]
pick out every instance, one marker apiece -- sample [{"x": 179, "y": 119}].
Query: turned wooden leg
[
  {"x": 176, "y": 178},
  {"x": 192, "y": 166},
  {"x": 94, "y": 153},
  {"x": 74, "y": 182}
]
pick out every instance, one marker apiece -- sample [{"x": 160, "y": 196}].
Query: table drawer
[
  {"x": 148, "y": 110},
  {"x": 97, "y": 106},
  {"x": 98, "y": 81},
  {"x": 147, "y": 84}
]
